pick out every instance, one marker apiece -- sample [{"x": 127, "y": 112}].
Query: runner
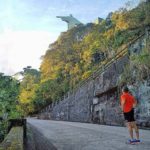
[{"x": 128, "y": 103}]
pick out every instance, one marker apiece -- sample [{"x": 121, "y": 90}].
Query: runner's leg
[
  {"x": 130, "y": 129},
  {"x": 135, "y": 129}
]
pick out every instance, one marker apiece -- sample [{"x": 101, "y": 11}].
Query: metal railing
[{"x": 102, "y": 68}]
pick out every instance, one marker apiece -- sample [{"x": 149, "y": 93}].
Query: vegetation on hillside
[
  {"x": 28, "y": 88},
  {"x": 80, "y": 51},
  {"x": 9, "y": 91},
  {"x": 138, "y": 70}
]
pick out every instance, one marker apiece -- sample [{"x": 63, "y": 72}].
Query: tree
[
  {"x": 9, "y": 90},
  {"x": 28, "y": 86}
]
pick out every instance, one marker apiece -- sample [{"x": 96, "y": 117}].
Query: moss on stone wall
[{"x": 14, "y": 140}]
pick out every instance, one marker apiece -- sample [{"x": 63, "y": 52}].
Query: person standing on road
[{"x": 128, "y": 103}]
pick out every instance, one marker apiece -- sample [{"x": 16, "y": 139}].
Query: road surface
[{"x": 60, "y": 135}]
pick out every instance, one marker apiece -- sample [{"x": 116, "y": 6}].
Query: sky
[{"x": 27, "y": 27}]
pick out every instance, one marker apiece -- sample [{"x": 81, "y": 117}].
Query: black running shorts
[{"x": 129, "y": 116}]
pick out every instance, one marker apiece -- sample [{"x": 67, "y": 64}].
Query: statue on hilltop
[{"x": 71, "y": 21}]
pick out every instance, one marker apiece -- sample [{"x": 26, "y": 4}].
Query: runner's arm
[{"x": 122, "y": 103}]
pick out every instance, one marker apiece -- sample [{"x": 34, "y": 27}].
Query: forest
[{"x": 70, "y": 60}]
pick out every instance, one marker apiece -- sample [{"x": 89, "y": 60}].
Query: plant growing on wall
[{"x": 138, "y": 69}]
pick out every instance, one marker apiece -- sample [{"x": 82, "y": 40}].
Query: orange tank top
[{"x": 129, "y": 101}]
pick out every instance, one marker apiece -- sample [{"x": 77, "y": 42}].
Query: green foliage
[
  {"x": 9, "y": 90},
  {"x": 138, "y": 70},
  {"x": 3, "y": 129},
  {"x": 27, "y": 91},
  {"x": 141, "y": 65}
]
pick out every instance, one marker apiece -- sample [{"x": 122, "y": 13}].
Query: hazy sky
[{"x": 27, "y": 27}]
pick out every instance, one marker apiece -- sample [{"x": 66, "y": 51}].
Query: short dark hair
[{"x": 125, "y": 89}]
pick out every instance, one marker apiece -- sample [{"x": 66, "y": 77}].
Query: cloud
[
  {"x": 34, "y": 26},
  {"x": 19, "y": 49}
]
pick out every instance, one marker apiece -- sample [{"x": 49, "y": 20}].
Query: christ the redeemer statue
[{"x": 71, "y": 21}]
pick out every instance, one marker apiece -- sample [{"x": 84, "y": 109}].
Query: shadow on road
[{"x": 37, "y": 141}]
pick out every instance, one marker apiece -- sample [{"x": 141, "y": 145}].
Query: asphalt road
[{"x": 60, "y": 135}]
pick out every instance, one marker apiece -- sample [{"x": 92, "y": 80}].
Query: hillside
[{"x": 80, "y": 51}]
